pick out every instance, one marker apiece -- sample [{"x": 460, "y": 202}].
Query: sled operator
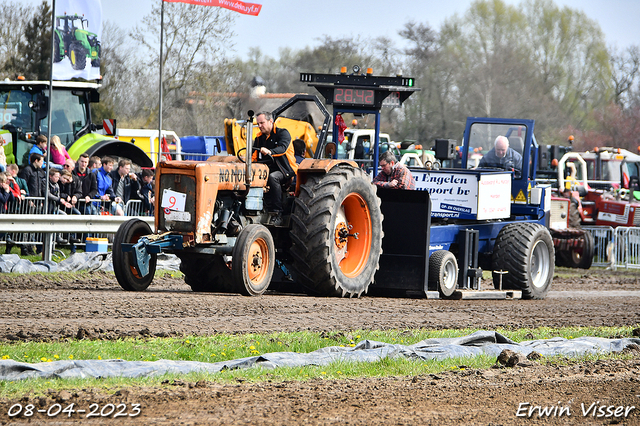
[
  {"x": 393, "y": 174},
  {"x": 501, "y": 156}
]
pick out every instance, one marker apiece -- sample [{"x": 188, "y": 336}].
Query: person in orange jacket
[{"x": 274, "y": 148}]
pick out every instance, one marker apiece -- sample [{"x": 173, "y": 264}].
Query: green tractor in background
[
  {"x": 24, "y": 112},
  {"x": 72, "y": 39}
]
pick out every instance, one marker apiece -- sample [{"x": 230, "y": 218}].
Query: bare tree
[
  {"x": 625, "y": 74},
  {"x": 195, "y": 38},
  {"x": 14, "y": 18}
]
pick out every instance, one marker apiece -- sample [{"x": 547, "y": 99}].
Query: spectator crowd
[{"x": 92, "y": 186}]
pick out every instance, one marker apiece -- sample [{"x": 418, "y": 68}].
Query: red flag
[
  {"x": 166, "y": 156},
  {"x": 235, "y": 5},
  {"x": 341, "y": 127}
]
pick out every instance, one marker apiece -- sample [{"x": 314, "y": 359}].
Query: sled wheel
[
  {"x": 525, "y": 251},
  {"x": 336, "y": 232},
  {"x": 128, "y": 278},
  {"x": 443, "y": 271},
  {"x": 253, "y": 260},
  {"x": 583, "y": 257},
  {"x": 206, "y": 273}
]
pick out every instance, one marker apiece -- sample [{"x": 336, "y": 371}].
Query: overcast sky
[{"x": 298, "y": 23}]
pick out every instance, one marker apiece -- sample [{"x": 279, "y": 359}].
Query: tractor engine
[{"x": 208, "y": 201}]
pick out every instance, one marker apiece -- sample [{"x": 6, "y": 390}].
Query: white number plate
[{"x": 174, "y": 216}]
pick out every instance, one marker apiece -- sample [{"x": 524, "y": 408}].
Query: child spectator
[
  {"x": 59, "y": 153},
  {"x": 6, "y": 196},
  {"x": 40, "y": 147},
  {"x": 55, "y": 200},
  {"x": 12, "y": 170},
  {"x": 146, "y": 192},
  {"x": 34, "y": 175}
]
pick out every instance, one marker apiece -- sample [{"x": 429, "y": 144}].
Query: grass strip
[{"x": 224, "y": 347}]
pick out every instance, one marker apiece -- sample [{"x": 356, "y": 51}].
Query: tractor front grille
[{"x": 172, "y": 216}]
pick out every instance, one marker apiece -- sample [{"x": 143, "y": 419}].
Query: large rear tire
[
  {"x": 206, "y": 273},
  {"x": 128, "y": 278},
  {"x": 254, "y": 257},
  {"x": 443, "y": 271},
  {"x": 525, "y": 251},
  {"x": 333, "y": 208}
]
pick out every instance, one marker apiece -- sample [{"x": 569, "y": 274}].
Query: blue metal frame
[
  {"x": 145, "y": 247},
  {"x": 529, "y": 158}
]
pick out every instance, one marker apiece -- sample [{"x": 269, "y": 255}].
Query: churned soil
[{"x": 46, "y": 307}]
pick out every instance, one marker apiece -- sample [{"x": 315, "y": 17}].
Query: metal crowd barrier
[
  {"x": 603, "y": 236},
  {"x": 31, "y": 206},
  {"x": 616, "y": 248}
]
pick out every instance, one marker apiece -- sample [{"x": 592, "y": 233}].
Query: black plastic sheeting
[
  {"x": 88, "y": 261},
  {"x": 480, "y": 342}
]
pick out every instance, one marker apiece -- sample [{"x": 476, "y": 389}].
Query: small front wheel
[
  {"x": 123, "y": 262},
  {"x": 253, "y": 260},
  {"x": 443, "y": 270}
]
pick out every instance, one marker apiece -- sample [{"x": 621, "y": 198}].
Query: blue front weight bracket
[{"x": 145, "y": 247}]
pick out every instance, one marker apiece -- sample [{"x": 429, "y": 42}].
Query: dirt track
[{"x": 40, "y": 307}]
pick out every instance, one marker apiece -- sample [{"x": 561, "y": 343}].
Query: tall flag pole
[
  {"x": 46, "y": 249},
  {"x": 160, "y": 85},
  {"x": 234, "y": 5}
]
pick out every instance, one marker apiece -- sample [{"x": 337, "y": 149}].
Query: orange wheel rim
[
  {"x": 358, "y": 249},
  {"x": 258, "y": 261}
]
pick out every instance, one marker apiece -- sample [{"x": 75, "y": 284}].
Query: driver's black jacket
[{"x": 279, "y": 143}]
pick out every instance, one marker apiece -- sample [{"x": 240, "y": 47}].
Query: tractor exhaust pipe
[{"x": 249, "y": 150}]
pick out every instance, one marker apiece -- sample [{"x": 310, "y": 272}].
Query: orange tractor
[{"x": 212, "y": 216}]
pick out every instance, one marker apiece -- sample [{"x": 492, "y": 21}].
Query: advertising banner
[
  {"x": 77, "y": 39},
  {"x": 466, "y": 195},
  {"x": 237, "y": 6}
]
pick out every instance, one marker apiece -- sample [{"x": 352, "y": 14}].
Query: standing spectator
[
  {"x": 69, "y": 164},
  {"x": 125, "y": 183},
  {"x": 95, "y": 163},
  {"x": 59, "y": 153},
  {"x": 36, "y": 179},
  {"x": 40, "y": 147},
  {"x": 70, "y": 191},
  {"x": 88, "y": 184},
  {"x": 105, "y": 186},
  {"x": 55, "y": 201},
  {"x": 6, "y": 196},
  {"x": 3, "y": 158},
  {"x": 146, "y": 192},
  {"x": 34, "y": 175}
]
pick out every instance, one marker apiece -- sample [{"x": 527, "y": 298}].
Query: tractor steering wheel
[{"x": 253, "y": 149}]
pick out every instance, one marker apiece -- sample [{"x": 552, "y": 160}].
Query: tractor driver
[
  {"x": 275, "y": 150},
  {"x": 501, "y": 156}
]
